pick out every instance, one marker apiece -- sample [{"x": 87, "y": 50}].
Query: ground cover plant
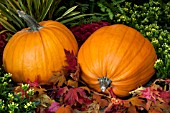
[{"x": 66, "y": 91}]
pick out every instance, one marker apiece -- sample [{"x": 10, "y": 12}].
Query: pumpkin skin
[
  {"x": 32, "y": 54},
  {"x": 120, "y": 54}
]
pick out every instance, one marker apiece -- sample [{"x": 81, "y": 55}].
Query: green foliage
[
  {"x": 111, "y": 7},
  {"x": 38, "y": 9},
  {"x": 11, "y": 102},
  {"x": 152, "y": 20}
]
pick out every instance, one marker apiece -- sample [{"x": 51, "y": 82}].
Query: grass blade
[
  {"x": 23, "y": 8},
  {"x": 7, "y": 25},
  {"x": 72, "y": 14},
  {"x": 74, "y": 18},
  {"x": 18, "y": 20},
  {"x": 14, "y": 4},
  {"x": 7, "y": 13},
  {"x": 45, "y": 10},
  {"x": 29, "y": 4},
  {"x": 69, "y": 11},
  {"x": 3, "y": 31}
]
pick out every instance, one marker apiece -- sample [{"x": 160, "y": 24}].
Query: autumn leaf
[
  {"x": 35, "y": 83},
  {"x": 165, "y": 95},
  {"x": 76, "y": 95},
  {"x": 85, "y": 88},
  {"x": 44, "y": 100},
  {"x": 164, "y": 107},
  {"x": 54, "y": 107},
  {"x": 152, "y": 93},
  {"x": 39, "y": 90},
  {"x": 132, "y": 109},
  {"x": 18, "y": 89},
  {"x": 75, "y": 76},
  {"x": 154, "y": 111},
  {"x": 111, "y": 93},
  {"x": 58, "y": 78},
  {"x": 62, "y": 91},
  {"x": 167, "y": 81},
  {"x": 136, "y": 101},
  {"x": 93, "y": 108},
  {"x": 64, "y": 109},
  {"x": 115, "y": 108},
  {"x": 72, "y": 83},
  {"x": 71, "y": 60},
  {"x": 102, "y": 102}
]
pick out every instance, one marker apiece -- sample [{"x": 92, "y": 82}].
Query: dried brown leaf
[
  {"x": 58, "y": 78},
  {"x": 132, "y": 109}
]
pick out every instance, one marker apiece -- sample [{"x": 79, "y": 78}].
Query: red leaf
[
  {"x": 71, "y": 60},
  {"x": 115, "y": 108},
  {"x": 151, "y": 93},
  {"x": 111, "y": 93},
  {"x": 167, "y": 80},
  {"x": 54, "y": 107},
  {"x": 75, "y": 95},
  {"x": 165, "y": 95},
  {"x": 75, "y": 76},
  {"x": 71, "y": 97},
  {"x": 62, "y": 91},
  {"x": 33, "y": 84}
]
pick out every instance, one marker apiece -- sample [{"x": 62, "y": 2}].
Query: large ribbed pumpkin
[
  {"x": 37, "y": 51},
  {"x": 117, "y": 56}
]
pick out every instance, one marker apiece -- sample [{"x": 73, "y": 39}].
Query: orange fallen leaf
[
  {"x": 72, "y": 83},
  {"x": 64, "y": 109},
  {"x": 102, "y": 102},
  {"x": 132, "y": 109}
]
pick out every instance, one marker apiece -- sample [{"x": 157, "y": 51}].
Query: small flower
[
  {"x": 25, "y": 86},
  {"x": 12, "y": 106},
  {"x": 30, "y": 92},
  {"x": 10, "y": 96}
]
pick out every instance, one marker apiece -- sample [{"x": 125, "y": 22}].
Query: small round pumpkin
[
  {"x": 117, "y": 56},
  {"x": 37, "y": 51}
]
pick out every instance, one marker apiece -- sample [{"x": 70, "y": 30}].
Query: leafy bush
[{"x": 11, "y": 102}]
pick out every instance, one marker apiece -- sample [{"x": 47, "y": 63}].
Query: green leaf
[
  {"x": 8, "y": 14},
  {"x": 3, "y": 1},
  {"x": 14, "y": 4},
  {"x": 59, "y": 10},
  {"x": 29, "y": 5},
  {"x": 45, "y": 10},
  {"x": 7, "y": 25},
  {"x": 52, "y": 12},
  {"x": 23, "y": 8},
  {"x": 37, "y": 5},
  {"x": 73, "y": 14},
  {"x": 74, "y": 18},
  {"x": 18, "y": 21},
  {"x": 3, "y": 31},
  {"x": 69, "y": 11}
]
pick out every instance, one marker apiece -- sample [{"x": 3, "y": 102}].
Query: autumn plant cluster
[{"x": 66, "y": 92}]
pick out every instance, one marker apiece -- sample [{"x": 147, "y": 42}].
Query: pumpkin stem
[
  {"x": 31, "y": 22},
  {"x": 104, "y": 83}
]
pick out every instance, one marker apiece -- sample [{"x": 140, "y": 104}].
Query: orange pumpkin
[
  {"x": 117, "y": 56},
  {"x": 64, "y": 109},
  {"x": 38, "y": 50}
]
